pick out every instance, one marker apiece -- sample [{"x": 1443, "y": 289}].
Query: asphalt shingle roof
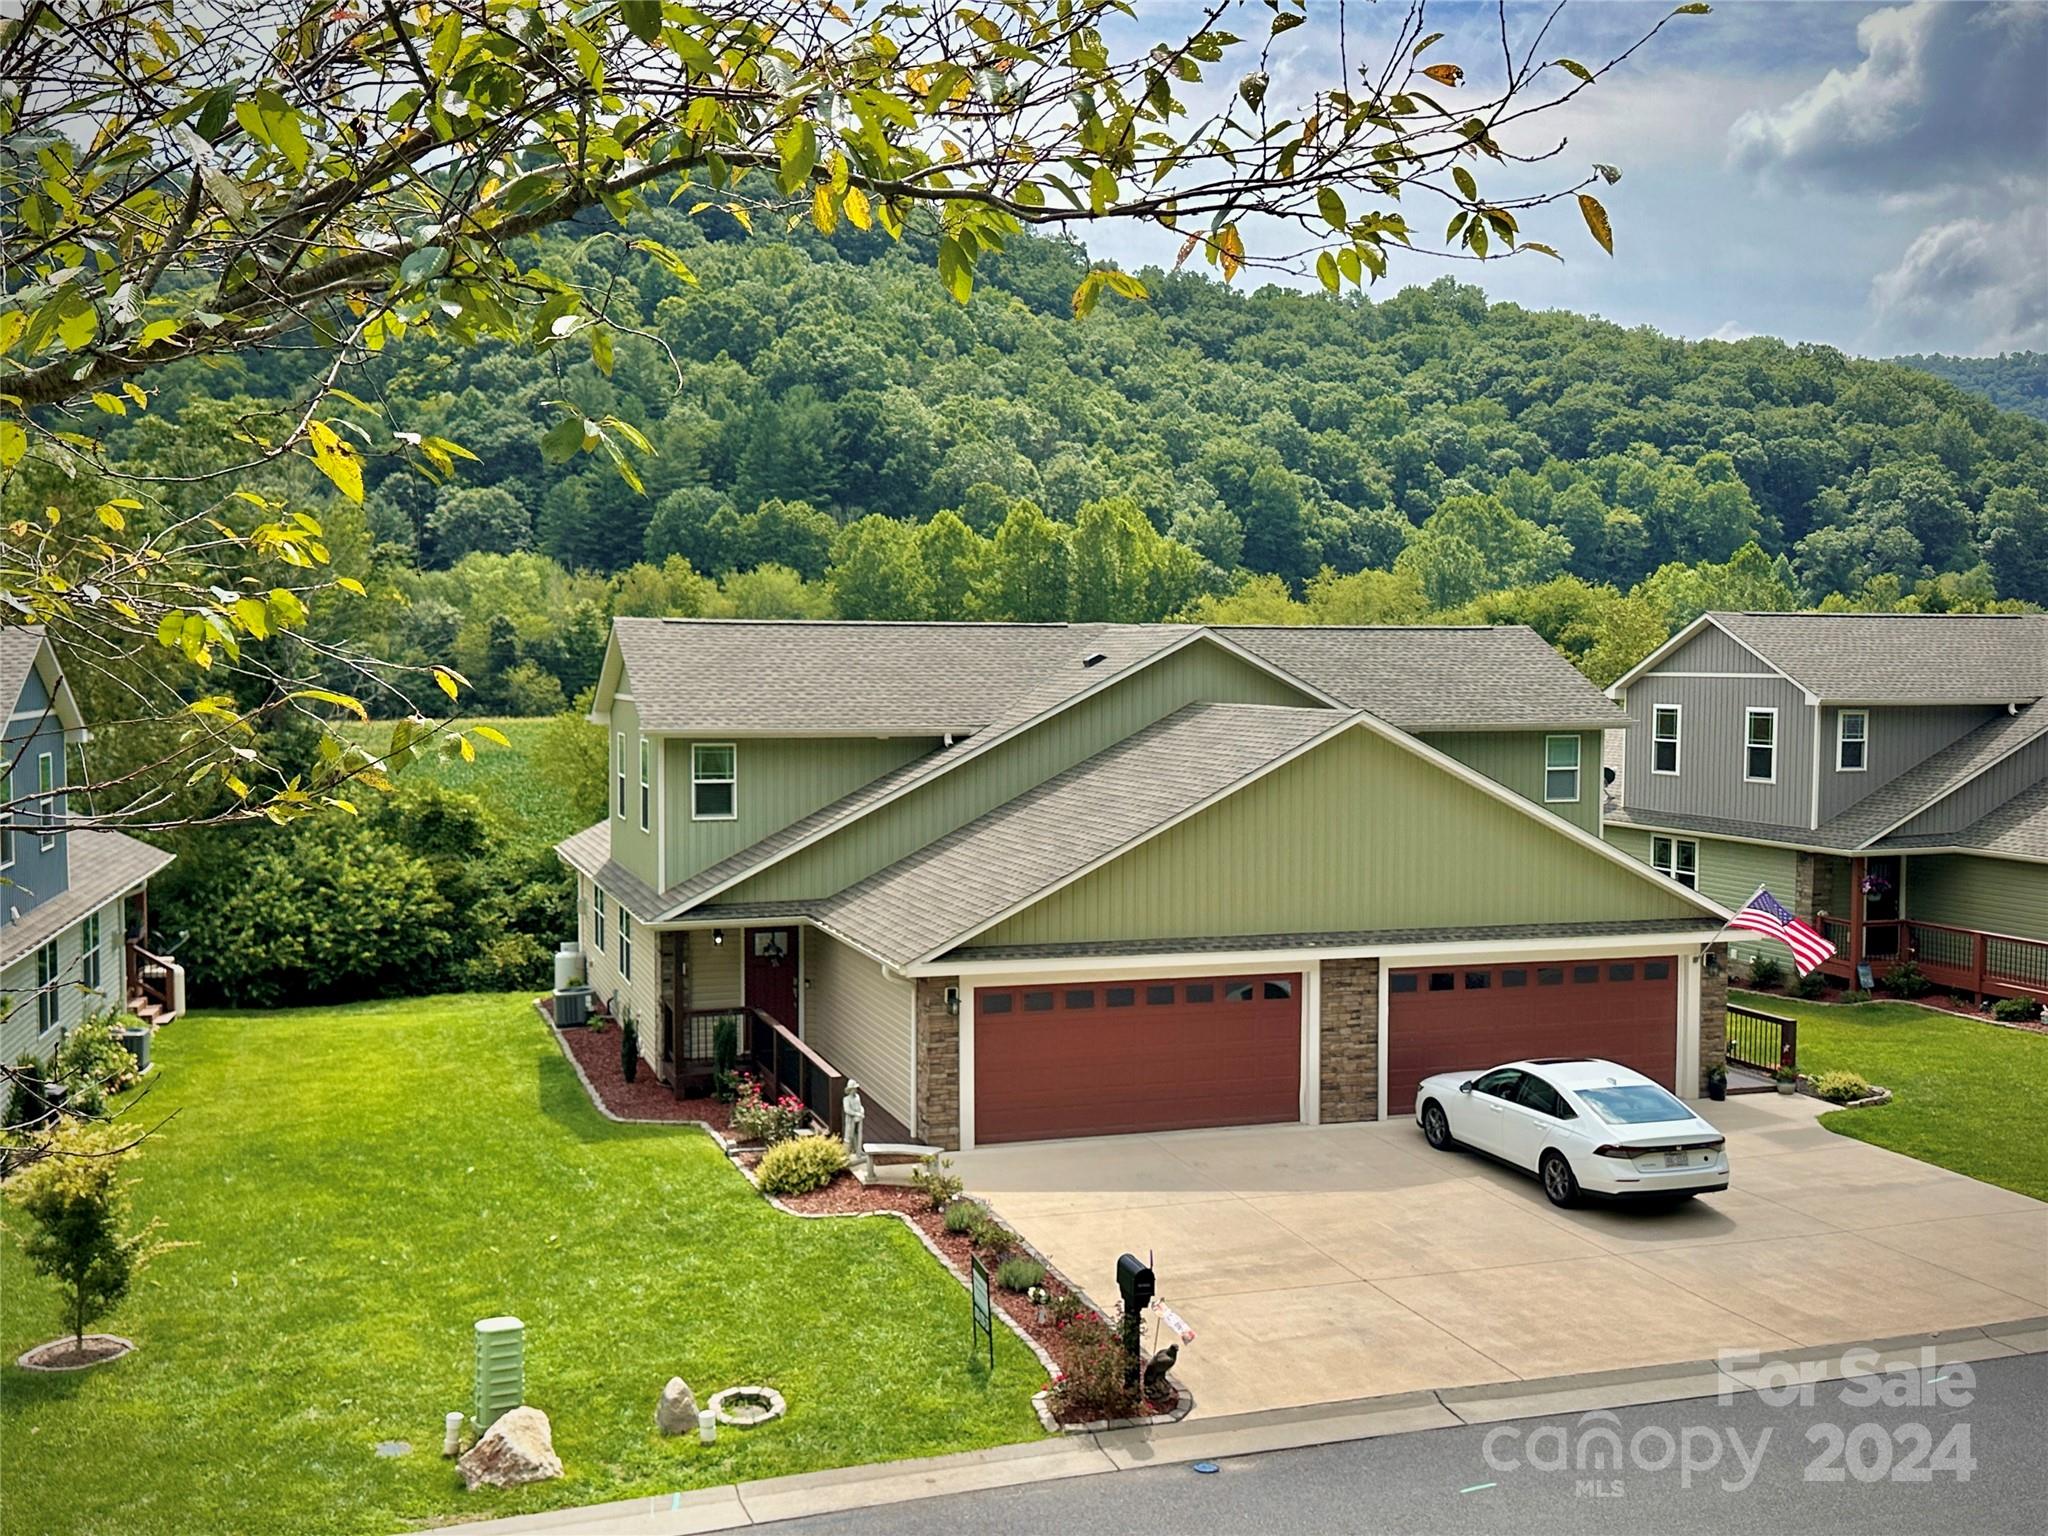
[
  {"x": 103, "y": 865},
  {"x": 1896, "y": 658},
  {"x": 1055, "y": 830},
  {"x": 1500, "y": 677},
  {"x": 1932, "y": 779},
  {"x": 589, "y": 853},
  {"x": 1230, "y": 943},
  {"x": 18, "y": 646},
  {"x": 2018, "y": 829}
]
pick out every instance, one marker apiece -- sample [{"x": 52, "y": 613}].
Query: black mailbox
[{"x": 1134, "y": 1280}]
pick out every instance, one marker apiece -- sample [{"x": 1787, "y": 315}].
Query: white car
[{"x": 1584, "y": 1127}]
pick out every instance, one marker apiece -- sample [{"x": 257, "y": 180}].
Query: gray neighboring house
[
  {"x": 74, "y": 901},
  {"x": 1885, "y": 774}
]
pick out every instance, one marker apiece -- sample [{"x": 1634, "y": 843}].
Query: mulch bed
[
  {"x": 65, "y": 1355},
  {"x": 1944, "y": 1002},
  {"x": 647, "y": 1097},
  {"x": 847, "y": 1196}
]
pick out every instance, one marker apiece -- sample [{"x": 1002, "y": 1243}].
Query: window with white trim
[
  {"x": 1561, "y": 769},
  {"x": 1760, "y": 746},
  {"x": 47, "y": 1000},
  {"x": 625, "y": 946},
  {"x": 1664, "y": 722},
  {"x": 89, "y": 952},
  {"x": 646, "y": 784},
  {"x": 7, "y": 816},
  {"x": 1678, "y": 857},
  {"x": 597, "y": 923},
  {"x": 714, "y": 782},
  {"x": 619, "y": 774},
  {"x": 46, "y": 784},
  {"x": 1852, "y": 741}
]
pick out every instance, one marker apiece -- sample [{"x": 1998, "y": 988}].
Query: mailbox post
[{"x": 1135, "y": 1283}]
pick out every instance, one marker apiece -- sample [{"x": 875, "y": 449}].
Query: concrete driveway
[{"x": 1318, "y": 1264}]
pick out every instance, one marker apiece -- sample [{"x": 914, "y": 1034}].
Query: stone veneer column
[
  {"x": 1714, "y": 1013},
  {"x": 938, "y": 1064},
  {"x": 1804, "y": 895},
  {"x": 675, "y": 991},
  {"x": 1350, "y": 1083}
]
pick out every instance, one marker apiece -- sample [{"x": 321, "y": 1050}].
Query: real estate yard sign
[{"x": 984, "y": 1318}]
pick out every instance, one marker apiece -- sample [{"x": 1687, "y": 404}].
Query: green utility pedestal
[{"x": 500, "y": 1369}]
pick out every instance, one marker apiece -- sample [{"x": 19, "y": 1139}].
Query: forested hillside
[
  {"x": 2018, "y": 381},
  {"x": 831, "y": 433}
]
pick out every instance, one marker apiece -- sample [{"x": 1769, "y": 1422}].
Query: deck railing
[
  {"x": 1765, "y": 1041},
  {"x": 772, "y": 1052},
  {"x": 149, "y": 978},
  {"x": 1964, "y": 959}
]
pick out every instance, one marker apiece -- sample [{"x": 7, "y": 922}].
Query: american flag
[{"x": 1766, "y": 915}]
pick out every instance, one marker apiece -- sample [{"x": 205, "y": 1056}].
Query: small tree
[
  {"x": 629, "y": 1049},
  {"x": 77, "y": 1210}
]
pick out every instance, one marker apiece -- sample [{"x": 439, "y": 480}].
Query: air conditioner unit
[{"x": 572, "y": 1007}]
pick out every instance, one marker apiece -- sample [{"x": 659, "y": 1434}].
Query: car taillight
[
  {"x": 1713, "y": 1146},
  {"x": 1613, "y": 1151}
]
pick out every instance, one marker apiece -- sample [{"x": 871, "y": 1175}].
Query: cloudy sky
[{"x": 1871, "y": 176}]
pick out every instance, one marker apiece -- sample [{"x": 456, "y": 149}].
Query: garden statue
[{"x": 853, "y": 1118}]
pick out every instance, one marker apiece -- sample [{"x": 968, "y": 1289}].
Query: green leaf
[
  {"x": 1326, "y": 269},
  {"x": 1330, "y": 203},
  {"x": 338, "y": 700},
  {"x": 1088, "y": 292},
  {"x": 336, "y": 460},
  {"x": 13, "y": 444},
  {"x": 601, "y": 348},
  {"x": 428, "y": 261},
  {"x": 1574, "y": 67},
  {"x": 1465, "y": 182},
  {"x": 1696, "y": 8},
  {"x": 642, "y": 18},
  {"x": 564, "y": 440}
]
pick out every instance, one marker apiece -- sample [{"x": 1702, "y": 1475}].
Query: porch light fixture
[
  {"x": 953, "y": 1000},
  {"x": 718, "y": 936},
  {"x": 1713, "y": 962}
]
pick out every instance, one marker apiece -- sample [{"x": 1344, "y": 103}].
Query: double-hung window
[
  {"x": 714, "y": 782},
  {"x": 46, "y": 988},
  {"x": 1664, "y": 738},
  {"x": 89, "y": 952},
  {"x": 646, "y": 784},
  {"x": 46, "y": 784},
  {"x": 1677, "y": 857},
  {"x": 597, "y": 922},
  {"x": 1760, "y": 746},
  {"x": 1561, "y": 768},
  {"x": 1852, "y": 741},
  {"x": 625, "y": 946},
  {"x": 619, "y": 774}
]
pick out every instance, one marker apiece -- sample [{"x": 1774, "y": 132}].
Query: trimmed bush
[
  {"x": 801, "y": 1165},
  {"x": 2016, "y": 1010},
  {"x": 961, "y": 1216},
  {"x": 1908, "y": 980},
  {"x": 990, "y": 1236},
  {"x": 725, "y": 1055},
  {"x": 1855, "y": 995},
  {"x": 629, "y": 1049},
  {"x": 1019, "y": 1273},
  {"x": 1841, "y": 1087},
  {"x": 1810, "y": 986},
  {"x": 939, "y": 1186},
  {"x": 1766, "y": 974}
]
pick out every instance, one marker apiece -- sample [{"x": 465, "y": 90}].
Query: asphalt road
[{"x": 1959, "y": 1449}]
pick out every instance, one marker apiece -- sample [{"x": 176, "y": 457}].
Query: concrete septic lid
[{"x": 744, "y": 1407}]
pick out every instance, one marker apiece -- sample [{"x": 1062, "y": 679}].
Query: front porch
[
  {"x": 1865, "y": 907},
  {"x": 776, "y": 1055}
]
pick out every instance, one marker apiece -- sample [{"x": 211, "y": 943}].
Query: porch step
[{"x": 149, "y": 1012}]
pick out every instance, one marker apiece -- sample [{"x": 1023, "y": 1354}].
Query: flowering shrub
[
  {"x": 758, "y": 1120},
  {"x": 1093, "y": 1384},
  {"x": 800, "y": 1164},
  {"x": 939, "y": 1185}
]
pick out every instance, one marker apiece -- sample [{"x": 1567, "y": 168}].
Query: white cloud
[
  {"x": 1978, "y": 276},
  {"x": 1945, "y": 91}
]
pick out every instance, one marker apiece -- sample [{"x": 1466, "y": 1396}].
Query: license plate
[{"x": 1675, "y": 1159}]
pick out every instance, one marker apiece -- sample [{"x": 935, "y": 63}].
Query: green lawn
[
  {"x": 1968, "y": 1093},
  {"x": 362, "y": 1184}
]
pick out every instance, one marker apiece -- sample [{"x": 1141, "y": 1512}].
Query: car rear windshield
[{"x": 1636, "y": 1104}]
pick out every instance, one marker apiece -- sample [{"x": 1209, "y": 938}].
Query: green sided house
[
  {"x": 1034, "y": 881},
  {"x": 1885, "y": 774}
]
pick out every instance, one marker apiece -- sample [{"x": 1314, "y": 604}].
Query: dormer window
[
  {"x": 1852, "y": 741},
  {"x": 714, "y": 782},
  {"x": 1664, "y": 739},
  {"x": 1760, "y": 746}
]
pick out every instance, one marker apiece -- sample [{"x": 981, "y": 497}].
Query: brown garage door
[
  {"x": 1454, "y": 1019},
  {"x": 1103, "y": 1058}
]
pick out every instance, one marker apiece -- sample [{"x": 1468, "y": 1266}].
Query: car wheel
[
  {"x": 1558, "y": 1180},
  {"x": 1436, "y": 1130}
]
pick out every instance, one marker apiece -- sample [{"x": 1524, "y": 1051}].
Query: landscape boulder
[
  {"x": 676, "y": 1413},
  {"x": 519, "y": 1448}
]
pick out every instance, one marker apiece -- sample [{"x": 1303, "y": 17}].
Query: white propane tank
[{"x": 568, "y": 967}]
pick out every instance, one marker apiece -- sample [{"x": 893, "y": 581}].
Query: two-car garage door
[
  {"x": 1083, "y": 1058},
  {"x": 1457, "y": 1018}
]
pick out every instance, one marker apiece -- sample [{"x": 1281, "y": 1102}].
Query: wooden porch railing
[
  {"x": 774, "y": 1053},
  {"x": 149, "y": 978},
  {"x": 1964, "y": 959},
  {"x": 1765, "y": 1041}
]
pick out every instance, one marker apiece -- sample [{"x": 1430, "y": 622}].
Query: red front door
[{"x": 771, "y": 973}]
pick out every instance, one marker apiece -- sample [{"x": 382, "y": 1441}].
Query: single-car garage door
[
  {"x": 1103, "y": 1058},
  {"x": 1454, "y": 1019}
]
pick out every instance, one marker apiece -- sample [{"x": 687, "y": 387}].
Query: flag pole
[{"x": 1715, "y": 937}]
